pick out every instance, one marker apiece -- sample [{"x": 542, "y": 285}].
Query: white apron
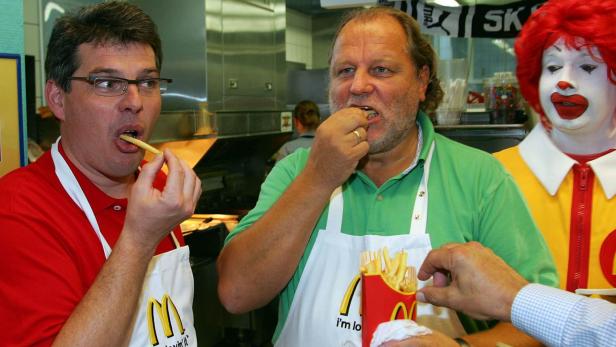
[
  {"x": 319, "y": 314},
  {"x": 164, "y": 314}
]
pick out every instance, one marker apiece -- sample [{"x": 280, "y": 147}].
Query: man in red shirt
[{"x": 89, "y": 243}]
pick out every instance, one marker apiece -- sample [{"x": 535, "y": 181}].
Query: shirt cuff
[{"x": 542, "y": 312}]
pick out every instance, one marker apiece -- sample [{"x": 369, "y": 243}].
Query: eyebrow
[
  {"x": 583, "y": 53},
  {"x": 381, "y": 60},
  {"x": 114, "y": 71}
]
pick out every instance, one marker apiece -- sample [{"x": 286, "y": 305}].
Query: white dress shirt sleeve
[{"x": 559, "y": 318}]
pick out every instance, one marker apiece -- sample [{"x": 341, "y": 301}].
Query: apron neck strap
[
  {"x": 334, "y": 214},
  {"x": 73, "y": 189}
]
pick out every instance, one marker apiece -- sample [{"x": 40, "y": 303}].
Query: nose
[
  {"x": 132, "y": 99},
  {"x": 564, "y": 85},
  {"x": 361, "y": 83}
]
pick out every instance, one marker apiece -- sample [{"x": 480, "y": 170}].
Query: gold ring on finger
[{"x": 357, "y": 135}]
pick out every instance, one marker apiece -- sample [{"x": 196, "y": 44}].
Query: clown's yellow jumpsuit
[{"x": 572, "y": 201}]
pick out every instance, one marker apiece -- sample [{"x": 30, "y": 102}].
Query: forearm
[
  {"x": 504, "y": 333},
  {"x": 258, "y": 263},
  {"x": 104, "y": 316},
  {"x": 557, "y": 317}
]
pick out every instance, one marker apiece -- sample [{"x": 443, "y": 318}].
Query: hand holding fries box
[{"x": 387, "y": 294}]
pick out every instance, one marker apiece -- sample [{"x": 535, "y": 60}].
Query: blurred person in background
[{"x": 306, "y": 119}]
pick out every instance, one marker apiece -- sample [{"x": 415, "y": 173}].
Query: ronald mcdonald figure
[{"x": 566, "y": 166}]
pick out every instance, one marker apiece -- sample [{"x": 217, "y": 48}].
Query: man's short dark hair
[
  {"x": 419, "y": 49},
  {"x": 113, "y": 22}
]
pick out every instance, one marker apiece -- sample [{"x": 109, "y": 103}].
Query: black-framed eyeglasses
[{"x": 116, "y": 86}]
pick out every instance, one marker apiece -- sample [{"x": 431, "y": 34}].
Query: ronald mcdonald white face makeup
[{"x": 575, "y": 91}]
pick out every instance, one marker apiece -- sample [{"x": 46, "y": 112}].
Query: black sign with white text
[{"x": 503, "y": 21}]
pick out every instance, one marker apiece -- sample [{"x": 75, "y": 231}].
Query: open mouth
[
  {"x": 131, "y": 133},
  {"x": 569, "y": 107},
  {"x": 127, "y": 133},
  {"x": 372, "y": 113}
]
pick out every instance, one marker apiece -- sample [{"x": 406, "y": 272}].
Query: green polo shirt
[{"x": 471, "y": 198}]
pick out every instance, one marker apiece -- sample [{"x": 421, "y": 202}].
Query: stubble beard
[{"x": 397, "y": 129}]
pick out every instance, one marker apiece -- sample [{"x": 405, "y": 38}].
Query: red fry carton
[{"x": 381, "y": 303}]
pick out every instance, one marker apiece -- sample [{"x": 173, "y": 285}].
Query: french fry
[
  {"x": 364, "y": 261},
  {"x": 395, "y": 272},
  {"x": 388, "y": 264},
  {"x": 395, "y": 264},
  {"x": 409, "y": 283},
  {"x": 377, "y": 262},
  {"x": 401, "y": 269},
  {"x": 140, "y": 144}
]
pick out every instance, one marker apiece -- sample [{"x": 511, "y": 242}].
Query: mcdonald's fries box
[{"x": 382, "y": 303}]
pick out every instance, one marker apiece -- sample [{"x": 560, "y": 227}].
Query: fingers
[
  {"x": 358, "y": 135},
  {"x": 349, "y": 119},
  {"x": 349, "y": 124},
  {"x": 149, "y": 170},
  {"x": 188, "y": 187},
  {"x": 435, "y": 296},
  {"x": 440, "y": 279},
  {"x": 175, "y": 175},
  {"x": 354, "y": 118},
  {"x": 166, "y": 208},
  {"x": 339, "y": 145},
  {"x": 437, "y": 260},
  {"x": 183, "y": 187}
]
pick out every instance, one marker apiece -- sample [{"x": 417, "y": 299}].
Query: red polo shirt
[{"x": 49, "y": 252}]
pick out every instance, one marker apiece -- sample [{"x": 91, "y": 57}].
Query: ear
[
  {"x": 424, "y": 81},
  {"x": 54, "y": 95}
]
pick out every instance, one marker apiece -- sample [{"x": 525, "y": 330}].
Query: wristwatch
[{"x": 462, "y": 342}]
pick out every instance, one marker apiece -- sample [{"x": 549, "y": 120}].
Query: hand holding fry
[
  {"x": 151, "y": 213},
  {"x": 338, "y": 147}
]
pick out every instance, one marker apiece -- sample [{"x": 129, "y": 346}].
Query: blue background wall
[{"x": 12, "y": 42}]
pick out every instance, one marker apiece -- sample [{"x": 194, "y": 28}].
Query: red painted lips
[{"x": 569, "y": 107}]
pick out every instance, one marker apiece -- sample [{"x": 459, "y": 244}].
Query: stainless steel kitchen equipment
[{"x": 227, "y": 61}]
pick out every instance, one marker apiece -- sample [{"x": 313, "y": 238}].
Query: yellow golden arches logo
[
  {"x": 405, "y": 314},
  {"x": 163, "y": 314},
  {"x": 348, "y": 296}
]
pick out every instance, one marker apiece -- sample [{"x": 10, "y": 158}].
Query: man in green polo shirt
[{"x": 377, "y": 176}]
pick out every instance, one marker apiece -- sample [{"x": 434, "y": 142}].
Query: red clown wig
[{"x": 592, "y": 20}]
